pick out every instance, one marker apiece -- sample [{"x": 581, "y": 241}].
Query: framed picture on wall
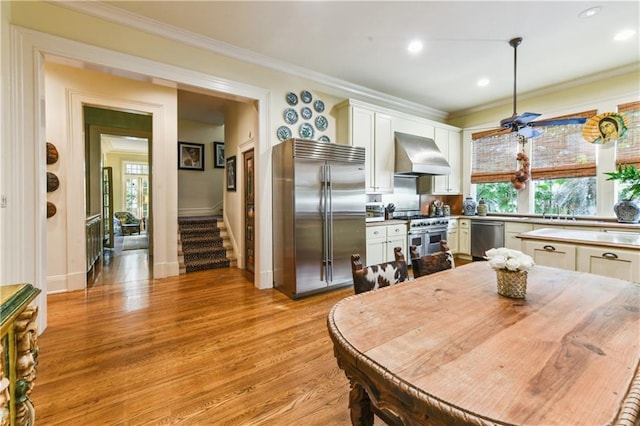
[
  {"x": 190, "y": 156},
  {"x": 231, "y": 173},
  {"x": 218, "y": 155}
]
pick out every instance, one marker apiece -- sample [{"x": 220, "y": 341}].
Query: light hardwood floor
[{"x": 205, "y": 348}]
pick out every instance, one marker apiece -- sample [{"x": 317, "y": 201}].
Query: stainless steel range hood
[{"x": 416, "y": 156}]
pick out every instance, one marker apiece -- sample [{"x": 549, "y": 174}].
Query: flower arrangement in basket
[{"x": 511, "y": 267}]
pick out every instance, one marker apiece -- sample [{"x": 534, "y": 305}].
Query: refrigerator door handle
[
  {"x": 330, "y": 226},
  {"x": 324, "y": 201}
]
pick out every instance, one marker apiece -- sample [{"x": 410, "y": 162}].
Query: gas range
[
  {"x": 429, "y": 222},
  {"x": 419, "y": 221}
]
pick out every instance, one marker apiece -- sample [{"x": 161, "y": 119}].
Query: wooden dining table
[{"x": 446, "y": 349}]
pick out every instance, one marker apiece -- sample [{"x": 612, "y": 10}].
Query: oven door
[
  {"x": 433, "y": 240},
  {"x": 418, "y": 239}
]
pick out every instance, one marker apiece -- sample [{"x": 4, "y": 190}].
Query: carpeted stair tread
[
  {"x": 200, "y": 238},
  {"x": 202, "y": 246}
]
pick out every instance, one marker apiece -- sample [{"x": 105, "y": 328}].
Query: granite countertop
[
  {"x": 387, "y": 222},
  {"x": 594, "y": 238},
  {"x": 596, "y": 223}
]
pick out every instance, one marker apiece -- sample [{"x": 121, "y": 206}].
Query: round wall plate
[
  {"x": 52, "y": 153},
  {"x": 52, "y": 182}
]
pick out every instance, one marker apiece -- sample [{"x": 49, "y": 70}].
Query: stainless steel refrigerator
[{"x": 318, "y": 215}]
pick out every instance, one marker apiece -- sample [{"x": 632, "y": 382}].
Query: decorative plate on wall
[
  {"x": 51, "y": 209},
  {"x": 321, "y": 123},
  {"x": 306, "y": 96},
  {"x": 306, "y": 131},
  {"x": 324, "y": 138},
  {"x": 306, "y": 113},
  {"x": 52, "y": 182},
  {"x": 290, "y": 116},
  {"x": 318, "y": 106},
  {"x": 52, "y": 153},
  {"x": 292, "y": 98},
  {"x": 284, "y": 133}
]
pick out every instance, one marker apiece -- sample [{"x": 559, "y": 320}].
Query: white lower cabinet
[
  {"x": 381, "y": 240},
  {"x": 610, "y": 262},
  {"x": 551, "y": 253},
  {"x": 452, "y": 235},
  {"x": 511, "y": 229},
  {"x": 464, "y": 236}
]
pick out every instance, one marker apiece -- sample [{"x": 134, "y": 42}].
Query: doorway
[
  {"x": 123, "y": 193},
  {"x": 249, "y": 209}
]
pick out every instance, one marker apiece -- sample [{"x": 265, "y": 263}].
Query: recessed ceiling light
[
  {"x": 483, "y": 82},
  {"x": 590, "y": 12},
  {"x": 624, "y": 35},
  {"x": 415, "y": 46}
]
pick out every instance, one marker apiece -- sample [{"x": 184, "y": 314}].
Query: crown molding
[{"x": 141, "y": 23}]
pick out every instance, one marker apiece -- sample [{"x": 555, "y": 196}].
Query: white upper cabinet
[
  {"x": 374, "y": 132},
  {"x": 448, "y": 142},
  {"x": 372, "y": 127}
]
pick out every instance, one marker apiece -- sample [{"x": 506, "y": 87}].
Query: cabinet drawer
[
  {"x": 374, "y": 232},
  {"x": 394, "y": 230},
  {"x": 614, "y": 263}
]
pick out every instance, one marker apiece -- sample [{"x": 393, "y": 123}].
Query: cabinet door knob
[
  {"x": 549, "y": 248},
  {"x": 609, "y": 255}
]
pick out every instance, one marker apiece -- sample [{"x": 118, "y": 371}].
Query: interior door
[
  {"x": 107, "y": 207},
  {"x": 249, "y": 209}
]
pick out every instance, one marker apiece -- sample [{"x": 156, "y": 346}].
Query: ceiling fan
[{"x": 523, "y": 124}]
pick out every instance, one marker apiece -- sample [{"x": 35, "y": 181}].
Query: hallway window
[{"x": 136, "y": 188}]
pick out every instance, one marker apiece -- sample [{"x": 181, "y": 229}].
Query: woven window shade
[
  {"x": 628, "y": 146},
  {"x": 494, "y": 158},
  {"x": 562, "y": 151}
]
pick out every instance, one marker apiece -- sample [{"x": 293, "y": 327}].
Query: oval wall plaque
[
  {"x": 52, "y": 182},
  {"x": 52, "y": 153}
]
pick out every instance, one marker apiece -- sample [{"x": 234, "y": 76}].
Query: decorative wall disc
[
  {"x": 52, "y": 182},
  {"x": 52, "y": 153},
  {"x": 51, "y": 209}
]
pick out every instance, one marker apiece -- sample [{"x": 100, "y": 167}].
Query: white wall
[
  {"x": 603, "y": 95},
  {"x": 67, "y": 89},
  {"x": 200, "y": 192}
]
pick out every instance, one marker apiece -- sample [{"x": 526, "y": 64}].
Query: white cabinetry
[
  {"x": 551, "y": 253},
  {"x": 381, "y": 240},
  {"x": 452, "y": 235},
  {"x": 610, "y": 262},
  {"x": 448, "y": 142},
  {"x": 374, "y": 132},
  {"x": 372, "y": 127},
  {"x": 511, "y": 230},
  {"x": 464, "y": 236}
]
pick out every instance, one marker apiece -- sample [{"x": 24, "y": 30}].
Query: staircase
[{"x": 203, "y": 243}]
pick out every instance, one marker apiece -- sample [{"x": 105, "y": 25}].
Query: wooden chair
[
  {"x": 367, "y": 278},
  {"x": 431, "y": 263}
]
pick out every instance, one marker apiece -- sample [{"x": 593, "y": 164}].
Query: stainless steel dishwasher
[{"x": 485, "y": 234}]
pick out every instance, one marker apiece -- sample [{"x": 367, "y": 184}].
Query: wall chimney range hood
[{"x": 417, "y": 156}]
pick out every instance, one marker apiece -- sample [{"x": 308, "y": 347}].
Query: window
[
  {"x": 136, "y": 189},
  {"x": 494, "y": 162},
  {"x": 500, "y": 197},
  {"x": 566, "y": 196},
  {"x": 494, "y": 157},
  {"x": 628, "y": 145},
  {"x": 563, "y": 170}
]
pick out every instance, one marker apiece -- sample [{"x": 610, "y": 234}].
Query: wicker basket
[{"x": 512, "y": 283}]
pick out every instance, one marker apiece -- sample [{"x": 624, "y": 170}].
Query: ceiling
[{"x": 364, "y": 43}]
